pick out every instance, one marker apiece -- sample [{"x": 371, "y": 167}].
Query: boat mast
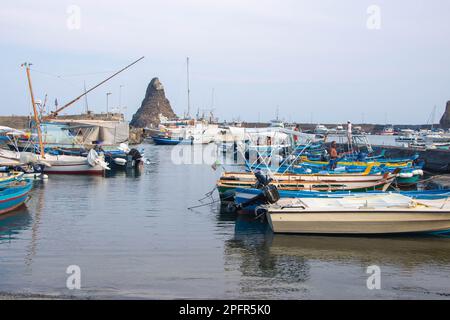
[
  {"x": 188, "y": 89},
  {"x": 432, "y": 118},
  {"x": 36, "y": 116},
  {"x": 85, "y": 99}
]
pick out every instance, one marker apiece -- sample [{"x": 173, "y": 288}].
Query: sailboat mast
[
  {"x": 36, "y": 116},
  {"x": 432, "y": 118},
  {"x": 85, "y": 98},
  {"x": 188, "y": 89}
]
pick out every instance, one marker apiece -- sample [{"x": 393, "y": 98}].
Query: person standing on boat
[
  {"x": 333, "y": 155},
  {"x": 297, "y": 129},
  {"x": 349, "y": 136}
]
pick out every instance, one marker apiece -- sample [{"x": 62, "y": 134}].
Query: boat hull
[
  {"x": 361, "y": 222},
  {"x": 165, "y": 141},
  {"x": 377, "y": 163},
  {"x": 13, "y": 198},
  {"x": 227, "y": 193},
  {"x": 230, "y": 181},
  {"x": 74, "y": 168}
]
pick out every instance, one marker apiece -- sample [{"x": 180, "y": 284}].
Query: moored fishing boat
[
  {"x": 14, "y": 194},
  {"x": 388, "y": 164},
  {"x": 244, "y": 195},
  {"x": 230, "y": 181},
  {"x": 8, "y": 177},
  {"x": 379, "y": 214},
  {"x": 61, "y": 164},
  {"x": 162, "y": 140}
]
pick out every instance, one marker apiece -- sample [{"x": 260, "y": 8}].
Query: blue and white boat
[
  {"x": 160, "y": 140},
  {"x": 14, "y": 194}
]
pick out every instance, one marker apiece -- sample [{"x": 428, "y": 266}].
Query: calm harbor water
[{"x": 133, "y": 237}]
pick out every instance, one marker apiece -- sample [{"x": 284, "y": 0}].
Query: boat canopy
[{"x": 85, "y": 132}]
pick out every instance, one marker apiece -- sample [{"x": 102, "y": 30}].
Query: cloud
[{"x": 247, "y": 43}]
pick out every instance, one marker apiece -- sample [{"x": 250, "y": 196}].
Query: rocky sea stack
[
  {"x": 154, "y": 104},
  {"x": 445, "y": 120}
]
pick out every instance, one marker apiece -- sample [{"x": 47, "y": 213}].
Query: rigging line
[
  {"x": 86, "y": 74},
  {"x": 61, "y": 76},
  {"x": 203, "y": 205},
  {"x": 56, "y": 76},
  {"x": 308, "y": 144}
]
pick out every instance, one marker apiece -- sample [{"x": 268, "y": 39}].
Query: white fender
[{"x": 120, "y": 161}]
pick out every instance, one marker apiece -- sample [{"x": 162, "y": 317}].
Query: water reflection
[
  {"x": 37, "y": 202},
  {"x": 405, "y": 252},
  {"x": 14, "y": 223},
  {"x": 128, "y": 172},
  {"x": 263, "y": 274},
  {"x": 400, "y": 251}
]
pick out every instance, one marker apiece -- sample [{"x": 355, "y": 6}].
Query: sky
[{"x": 322, "y": 61}]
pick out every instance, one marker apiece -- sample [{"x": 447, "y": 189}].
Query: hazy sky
[{"x": 313, "y": 59}]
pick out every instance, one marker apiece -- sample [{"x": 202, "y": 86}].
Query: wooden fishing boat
[
  {"x": 229, "y": 181},
  {"x": 408, "y": 176},
  {"x": 7, "y": 177},
  {"x": 379, "y": 214},
  {"x": 377, "y": 163},
  {"x": 14, "y": 194}
]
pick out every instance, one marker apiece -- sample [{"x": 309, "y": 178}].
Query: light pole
[
  {"x": 120, "y": 96},
  {"x": 107, "y": 100}
]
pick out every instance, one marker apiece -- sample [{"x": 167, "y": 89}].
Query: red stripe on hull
[
  {"x": 12, "y": 208},
  {"x": 12, "y": 199}
]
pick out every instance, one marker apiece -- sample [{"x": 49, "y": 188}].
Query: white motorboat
[
  {"x": 377, "y": 214},
  {"x": 58, "y": 164},
  {"x": 320, "y": 129}
]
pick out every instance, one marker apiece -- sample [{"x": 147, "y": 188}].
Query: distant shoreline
[{"x": 21, "y": 122}]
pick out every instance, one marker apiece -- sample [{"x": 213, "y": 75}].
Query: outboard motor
[
  {"x": 134, "y": 158},
  {"x": 135, "y": 154},
  {"x": 261, "y": 180},
  {"x": 269, "y": 194}
]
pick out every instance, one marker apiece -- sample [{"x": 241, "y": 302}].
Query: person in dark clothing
[{"x": 333, "y": 155}]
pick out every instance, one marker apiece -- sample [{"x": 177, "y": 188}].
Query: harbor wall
[
  {"x": 16, "y": 122},
  {"x": 437, "y": 161}
]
